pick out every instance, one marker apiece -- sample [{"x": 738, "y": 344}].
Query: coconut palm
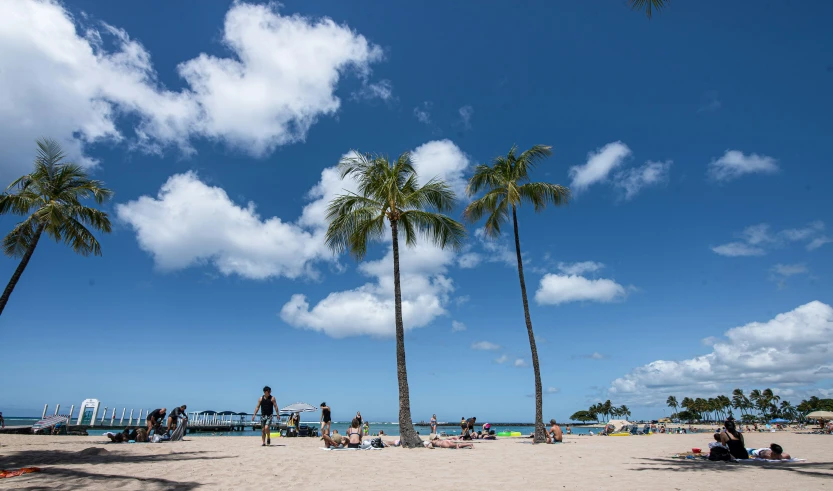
[
  {"x": 648, "y": 5},
  {"x": 672, "y": 403},
  {"x": 50, "y": 199},
  {"x": 507, "y": 185},
  {"x": 624, "y": 411},
  {"x": 389, "y": 193}
]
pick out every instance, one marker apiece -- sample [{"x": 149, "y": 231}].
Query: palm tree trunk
[
  {"x": 20, "y": 267},
  {"x": 407, "y": 435},
  {"x": 540, "y": 433}
]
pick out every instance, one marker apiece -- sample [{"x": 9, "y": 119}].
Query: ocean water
[{"x": 341, "y": 427}]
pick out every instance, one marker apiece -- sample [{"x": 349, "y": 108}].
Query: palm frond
[
  {"x": 16, "y": 242},
  {"x": 498, "y": 217},
  {"x": 484, "y": 177},
  {"x": 540, "y": 194},
  {"x": 484, "y": 205},
  {"x": 528, "y": 159},
  {"x": 77, "y": 236},
  {"x": 20, "y": 204},
  {"x": 91, "y": 216},
  {"x": 648, "y": 5},
  {"x": 434, "y": 194},
  {"x": 349, "y": 216},
  {"x": 440, "y": 229}
]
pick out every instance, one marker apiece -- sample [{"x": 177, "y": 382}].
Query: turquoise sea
[{"x": 388, "y": 428}]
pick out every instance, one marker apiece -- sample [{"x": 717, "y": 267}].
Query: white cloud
[
  {"x": 736, "y": 249},
  {"x": 466, "y": 112},
  {"x": 457, "y": 326},
  {"x": 599, "y": 164},
  {"x": 469, "y": 260},
  {"x": 633, "y": 180},
  {"x": 596, "y": 356},
  {"x": 382, "y": 89},
  {"x": 423, "y": 112},
  {"x": 756, "y": 240},
  {"x": 793, "y": 349},
  {"x": 369, "y": 309},
  {"x": 502, "y": 359},
  {"x": 485, "y": 346},
  {"x": 556, "y": 289},
  {"x": 443, "y": 159},
  {"x": 191, "y": 223},
  {"x": 818, "y": 242},
  {"x": 710, "y": 103},
  {"x": 552, "y": 390},
  {"x": 734, "y": 164},
  {"x": 279, "y": 78},
  {"x": 580, "y": 267},
  {"x": 787, "y": 270},
  {"x": 520, "y": 363},
  {"x": 496, "y": 251}
]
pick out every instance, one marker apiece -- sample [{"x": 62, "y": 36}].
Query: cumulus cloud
[
  {"x": 520, "y": 363},
  {"x": 552, "y": 390},
  {"x": 757, "y": 240},
  {"x": 555, "y": 289},
  {"x": 599, "y": 164},
  {"x": 485, "y": 346},
  {"x": 502, "y": 359},
  {"x": 494, "y": 251},
  {"x": 457, "y": 326},
  {"x": 633, "y": 180},
  {"x": 793, "y": 349},
  {"x": 787, "y": 270},
  {"x": 734, "y": 164},
  {"x": 369, "y": 309},
  {"x": 190, "y": 222},
  {"x": 592, "y": 356},
  {"x": 580, "y": 267},
  {"x": 280, "y": 76},
  {"x": 382, "y": 89}
]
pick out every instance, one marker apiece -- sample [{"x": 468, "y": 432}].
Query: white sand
[{"x": 238, "y": 463}]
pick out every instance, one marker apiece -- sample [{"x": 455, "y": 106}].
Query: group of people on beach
[
  {"x": 729, "y": 445},
  {"x": 155, "y": 419}
]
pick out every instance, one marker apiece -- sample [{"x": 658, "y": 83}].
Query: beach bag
[
  {"x": 376, "y": 443},
  {"x": 719, "y": 453}
]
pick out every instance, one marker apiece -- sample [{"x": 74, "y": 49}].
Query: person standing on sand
[
  {"x": 326, "y": 419},
  {"x": 434, "y": 424},
  {"x": 155, "y": 418},
  {"x": 173, "y": 418},
  {"x": 266, "y": 404},
  {"x": 2, "y": 421}
]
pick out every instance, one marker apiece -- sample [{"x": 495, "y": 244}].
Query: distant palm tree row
[
  {"x": 606, "y": 409},
  {"x": 760, "y": 405},
  {"x": 389, "y": 198}
]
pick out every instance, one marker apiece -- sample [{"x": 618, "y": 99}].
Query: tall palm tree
[
  {"x": 507, "y": 185},
  {"x": 50, "y": 197},
  {"x": 648, "y": 5},
  {"x": 672, "y": 403},
  {"x": 390, "y": 193},
  {"x": 624, "y": 411}
]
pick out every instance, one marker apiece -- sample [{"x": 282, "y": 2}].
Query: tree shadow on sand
[
  {"x": 53, "y": 477},
  {"x": 811, "y": 469}
]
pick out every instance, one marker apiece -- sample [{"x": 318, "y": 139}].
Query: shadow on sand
[
  {"x": 811, "y": 469},
  {"x": 53, "y": 476}
]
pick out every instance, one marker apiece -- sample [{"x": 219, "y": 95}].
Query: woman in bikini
[
  {"x": 434, "y": 424},
  {"x": 354, "y": 433}
]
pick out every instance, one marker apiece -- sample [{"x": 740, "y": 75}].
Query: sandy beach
[{"x": 235, "y": 463}]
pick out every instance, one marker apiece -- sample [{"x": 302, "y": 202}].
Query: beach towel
[
  {"x": 18, "y": 472},
  {"x": 766, "y": 460},
  {"x": 344, "y": 448},
  {"x": 179, "y": 432}
]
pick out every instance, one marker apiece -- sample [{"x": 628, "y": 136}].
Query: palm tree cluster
[
  {"x": 759, "y": 405},
  {"x": 606, "y": 409},
  {"x": 390, "y": 198}
]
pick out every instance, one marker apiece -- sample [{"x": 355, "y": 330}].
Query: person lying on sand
[
  {"x": 437, "y": 443},
  {"x": 335, "y": 442},
  {"x": 774, "y": 452},
  {"x": 115, "y": 437}
]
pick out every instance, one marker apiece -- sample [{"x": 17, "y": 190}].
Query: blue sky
[{"x": 696, "y": 145}]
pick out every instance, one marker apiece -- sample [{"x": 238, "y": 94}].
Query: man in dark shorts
[
  {"x": 173, "y": 418},
  {"x": 268, "y": 407},
  {"x": 155, "y": 418}
]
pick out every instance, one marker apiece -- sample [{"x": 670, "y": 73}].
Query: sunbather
[
  {"x": 437, "y": 443},
  {"x": 336, "y": 442},
  {"x": 774, "y": 452},
  {"x": 554, "y": 435}
]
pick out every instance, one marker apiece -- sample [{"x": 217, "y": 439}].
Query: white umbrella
[
  {"x": 299, "y": 407},
  {"x": 821, "y": 415}
]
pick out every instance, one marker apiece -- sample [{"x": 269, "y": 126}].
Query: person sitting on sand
[
  {"x": 734, "y": 440},
  {"x": 354, "y": 434},
  {"x": 554, "y": 434},
  {"x": 774, "y": 452},
  {"x": 141, "y": 435}
]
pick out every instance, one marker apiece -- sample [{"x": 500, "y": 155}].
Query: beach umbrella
[
  {"x": 821, "y": 415},
  {"x": 299, "y": 407}
]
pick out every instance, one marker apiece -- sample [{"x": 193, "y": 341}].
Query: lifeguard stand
[{"x": 88, "y": 412}]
